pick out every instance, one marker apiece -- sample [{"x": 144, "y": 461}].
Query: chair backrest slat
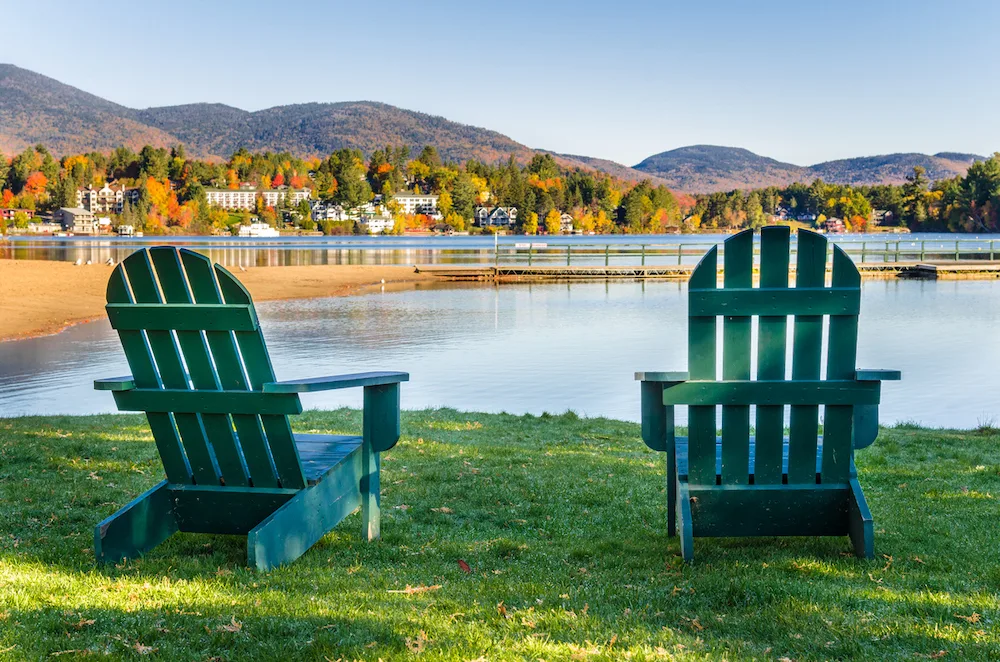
[
  {"x": 139, "y": 270},
  {"x": 249, "y": 430},
  {"x": 259, "y": 370},
  {"x": 702, "y": 365},
  {"x": 736, "y": 348},
  {"x": 807, "y": 353},
  {"x": 772, "y": 334},
  {"x": 841, "y": 363},
  {"x": 140, "y": 361}
]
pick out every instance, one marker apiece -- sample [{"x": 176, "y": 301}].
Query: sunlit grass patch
[{"x": 504, "y": 537}]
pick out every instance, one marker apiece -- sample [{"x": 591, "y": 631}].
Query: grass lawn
[{"x": 561, "y": 522}]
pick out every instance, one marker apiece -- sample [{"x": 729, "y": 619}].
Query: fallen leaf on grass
[
  {"x": 969, "y": 619},
  {"x": 502, "y": 610},
  {"x": 410, "y": 590},
  {"x": 144, "y": 650},
  {"x": 94, "y": 476},
  {"x": 84, "y": 622},
  {"x": 70, "y": 652},
  {"x": 443, "y": 509},
  {"x": 233, "y": 626},
  {"x": 932, "y": 656},
  {"x": 464, "y": 566},
  {"x": 402, "y": 507},
  {"x": 418, "y": 643}
]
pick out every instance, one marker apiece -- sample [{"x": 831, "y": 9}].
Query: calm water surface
[{"x": 536, "y": 348}]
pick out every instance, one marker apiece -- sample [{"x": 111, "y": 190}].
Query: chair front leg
[{"x": 658, "y": 433}]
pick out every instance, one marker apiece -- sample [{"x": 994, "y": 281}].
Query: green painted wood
[
  {"x": 249, "y": 431},
  {"x": 259, "y": 370},
  {"x": 702, "y": 365},
  {"x": 745, "y": 300},
  {"x": 842, "y": 350},
  {"x": 381, "y": 416},
  {"x": 371, "y": 493},
  {"x": 114, "y": 383},
  {"x": 771, "y": 342},
  {"x": 810, "y": 272},
  {"x": 194, "y": 347},
  {"x": 657, "y": 419},
  {"x": 226, "y": 510},
  {"x": 141, "y": 278},
  {"x": 138, "y": 527},
  {"x": 861, "y": 527},
  {"x": 140, "y": 361},
  {"x": 336, "y": 382},
  {"x": 878, "y": 375},
  {"x": 662, "y": 376},
  {"x": 736, "y": 352},
  {"x": 295, "y": 527},
  {"x": 183, "y": 402},
  {"x": 865, "y": 425},
  {"x": 801, "y": 393},
  {"x": 180, "y": 316},
  {"x": 770, "y": 510},
  {"x": 684, "y": 522}
]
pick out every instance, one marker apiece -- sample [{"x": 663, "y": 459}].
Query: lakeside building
[
  {"x": 107, "y": 199},
  {"x": 378, "y": 224},
  {"x": 834, "y": 225},
  {"x": 258, "y": 230},
  {"x": 565, "y": 223},
  {"x": 245, "y": 197},
  {"x": 411, "y": 204},
  {"x": 44, "y": 227},
  {"x": 77, "y": 220},
  {"x": 8, "y": 214},
  {"x": 497, "y": 216}
]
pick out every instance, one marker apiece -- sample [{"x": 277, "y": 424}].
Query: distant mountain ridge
[
  {"x": 709, "y": 168},
  {"x": 38, "y": 109}
]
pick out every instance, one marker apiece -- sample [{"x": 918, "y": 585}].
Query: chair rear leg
[
  {"x": 861, "y": 528},
  {"x": 685, "y": 523},
  {"x": 137, "y": 528}
]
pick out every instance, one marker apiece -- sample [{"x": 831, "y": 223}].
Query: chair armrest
[
  {"x": 874, "y": 375},
  {"x": 664, "y": 377},
  {"x": 125, "y": 383},
  {"x": 335, "y": 382}
]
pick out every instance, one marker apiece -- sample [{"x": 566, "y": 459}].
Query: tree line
[{"x": 171, "y": 194}]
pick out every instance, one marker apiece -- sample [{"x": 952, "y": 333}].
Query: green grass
[{"x": 562, "y": 523}]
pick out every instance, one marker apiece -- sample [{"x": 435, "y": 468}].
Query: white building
[
  {"x": 414, "y": 203},
  {"x": 246, "y": 197},
  {"x": 108, "y": 199},
  {"x": 258, "y": 230},
  {"x": 378, "y": 224},
  {"x": 77, "y": 219},
  {"x": 497, "y": 216},
  {"x": 565, "y": 223}
]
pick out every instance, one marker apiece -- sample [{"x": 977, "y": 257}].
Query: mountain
[
  {"x": 708, "y": 168},
  {"x": 705, "y": 168},
  {"x": 38, "y": 109}
]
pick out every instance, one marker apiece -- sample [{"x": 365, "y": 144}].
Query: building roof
[{"x": 76, "y": 211}]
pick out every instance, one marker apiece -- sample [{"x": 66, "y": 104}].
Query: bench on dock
[
  {"x": 768, "y": 484},
  {"x": 201, "y": 373}
]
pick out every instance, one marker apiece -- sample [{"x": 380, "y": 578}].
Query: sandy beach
[{"x": 39, "y": 297}]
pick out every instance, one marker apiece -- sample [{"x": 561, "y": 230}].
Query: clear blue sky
[{"x": 803, "y": 81}]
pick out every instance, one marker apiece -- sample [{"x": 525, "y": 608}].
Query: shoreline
[{"x": 42, "y": 297}]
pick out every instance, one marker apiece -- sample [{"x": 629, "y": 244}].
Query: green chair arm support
[
  {"x": 866, "y": 416},
  {"x": 125, "y": 383},
  {"x": 657, "y": 418},
  {"x": 336, "y": 382}
]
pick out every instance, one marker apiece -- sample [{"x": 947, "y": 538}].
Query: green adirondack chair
[
  {"x": 201, "y": 372},
  {"x": 760, "y": 482}
]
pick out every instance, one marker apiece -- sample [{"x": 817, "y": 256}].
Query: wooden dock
[{"x": 969, "y": 270}]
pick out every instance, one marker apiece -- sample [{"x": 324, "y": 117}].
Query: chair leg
[
  {"x": 860, "y": 525},
  {"x": 684, "y": 520},
  {"x": 371, "y": 496},
  {"x": 137, "y": 528},
  {"x": 291, "y": 530}
]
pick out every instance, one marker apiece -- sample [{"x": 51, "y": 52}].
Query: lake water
[
  {"x": 551, "y": 347},
  {"x": 478, "y": 249}
]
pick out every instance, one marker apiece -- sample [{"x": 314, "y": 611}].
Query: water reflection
[{"x": 535, "y": 348}]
